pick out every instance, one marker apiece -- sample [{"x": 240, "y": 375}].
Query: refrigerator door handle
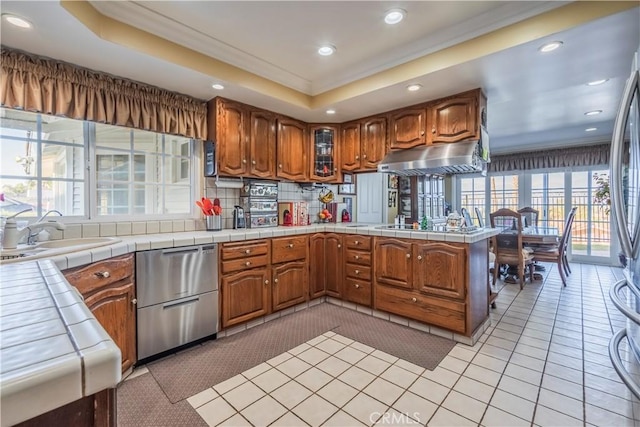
[
  {"x": 616, "y": 154},
  {"x": 618, "y": 365},
  {"x": 614, "y": 294}
]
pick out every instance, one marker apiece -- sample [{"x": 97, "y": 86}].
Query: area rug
[{"x": 196, "y": 369}]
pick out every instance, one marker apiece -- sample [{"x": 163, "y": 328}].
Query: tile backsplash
[{"x": 229, "y": 197}]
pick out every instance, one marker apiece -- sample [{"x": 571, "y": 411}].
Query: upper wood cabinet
[
  {"x": 323, "y": 153},
  {"x": 291, "y": 150},
  {"x": 407, "y": 128},
  {"x": 245, "y": 139},
  {"x": 350, "y": 146},
  {"x": 456, "y": 118},
  {"x": 373, "y": 135},
  {"x": 262, "y": 144}
]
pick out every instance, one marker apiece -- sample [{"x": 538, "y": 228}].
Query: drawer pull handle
[
  {"x": 244, "y": 161},
  {"x": 291, "y": 245},
  {"x": 253, "y": 162},
  {"x": 103, "y": 274},
  {"x": 134, "y": 301},
  {"x": 356, "y": 257},
  {"x": 357, "y": 157},
  {"x": 275, "y": 280},
  {"x": 280, "y": 166},
  {"x": 408, "y": 255},
  {"x": 266, "y": 282},
  {"x": 356, "y": 242},
  {"x": 364, "y": 156},
  {"x": 414, "y": 299},
  {"x": 339, "y": 246},
  {"x": 248, "y": 251},
  {"x": 248, "y": 263},
  {"x": 357, "y": 272},
  {"x": 419, "y": 257},
  {"x": 357, "y": 286}
]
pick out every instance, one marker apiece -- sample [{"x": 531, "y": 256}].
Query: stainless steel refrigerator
[{"x": 625, "y": 206}]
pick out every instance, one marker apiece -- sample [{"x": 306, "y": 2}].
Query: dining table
[{"x": 539, "y": 236}]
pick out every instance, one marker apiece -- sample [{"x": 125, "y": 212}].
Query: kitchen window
[{"x": 92, "y": 170}]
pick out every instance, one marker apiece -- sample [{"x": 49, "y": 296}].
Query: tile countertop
[{"x": 52, "y": 349}]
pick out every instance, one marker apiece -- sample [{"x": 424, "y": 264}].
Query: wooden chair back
[
  {"x": 531, "y": 215},
  {"x": 566, "y": 233},
  {"x": 507, "y": 245}
]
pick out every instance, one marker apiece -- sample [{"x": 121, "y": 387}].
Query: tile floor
[{"x": 543, "y": 362}]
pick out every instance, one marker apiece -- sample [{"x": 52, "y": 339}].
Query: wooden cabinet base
[{"x": 98, "y": 410}]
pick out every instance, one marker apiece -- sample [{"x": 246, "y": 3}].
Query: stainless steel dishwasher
[{"x": 177, "y": 291}]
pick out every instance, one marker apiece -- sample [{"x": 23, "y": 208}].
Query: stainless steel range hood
[{"x": 443, "y": 159}]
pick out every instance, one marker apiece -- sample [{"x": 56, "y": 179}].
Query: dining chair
[
  {"x": 480, "y": 218},
  {"x": 531, "y": 215},
  {"x": 558, "y": 252},
  {"x": 508, "y": 246}
]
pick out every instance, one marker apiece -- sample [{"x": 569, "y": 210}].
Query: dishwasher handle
[
  {"x": 181, "y": 251},
  {"x": 179, "y": 302}
]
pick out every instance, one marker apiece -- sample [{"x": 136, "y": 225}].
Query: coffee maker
[{"x": 238, "y": 217}]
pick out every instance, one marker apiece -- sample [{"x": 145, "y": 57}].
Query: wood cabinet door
[
  {"x": 114, "y": 308},
  {"x": 374, "y": 142},
  {"x": 317, "y": 263},
  {"x": 440, "y": 269},
  {"x": 245, "y": 295},
  {"x": 453, "y": 120},
  {"x": 290, "y": 284},
  {"x": 231, "y": 139},
  {"x": 291, "y": 150},
  {"x": 333, "y": 265},
  {"x": 262, "y": 144},
  {"x": 350, "y": 146},
  {"x": 393, "y": 264},
  {"x": 407, "y": 128},
  {"x": 323, "y": 153}
]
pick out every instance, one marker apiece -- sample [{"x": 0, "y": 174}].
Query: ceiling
[{"x": 264, "y": 53}]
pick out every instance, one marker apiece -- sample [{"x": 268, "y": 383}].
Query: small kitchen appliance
[{"x": 238, "y": 217}]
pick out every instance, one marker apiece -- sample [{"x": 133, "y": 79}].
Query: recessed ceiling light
[
  {"x": 548, "y": 47},
  {"x": 593, "y": 112},
  {"x": 327, "y": 50},
  {"x": 414, "y": 87},
  {"x": 597, "y": 82},
  {"x": 394, "y": 16},
  {"x": 331, "y": 111},
  {"x": 590, "y": 129},
  {"x": 17, "y": 21},
  {"x": 217, "y": 86}
]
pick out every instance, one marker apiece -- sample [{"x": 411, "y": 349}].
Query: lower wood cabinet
[
  {"x": 290, "y": 284},
  {"x": 108, "y": 288},
  {"x": 357, "y": 269},
  {"x": 325, "y": 265},
  {"x": 245, "y": 295}
]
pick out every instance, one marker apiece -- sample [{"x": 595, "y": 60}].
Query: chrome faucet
[
  {"x": 48, "y": 213},
  {"x": 30, "y": 231}
]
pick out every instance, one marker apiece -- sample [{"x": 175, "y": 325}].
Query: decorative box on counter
[
  {"x": 259, "y": 199},
  {"x": 293, "y": 213}
]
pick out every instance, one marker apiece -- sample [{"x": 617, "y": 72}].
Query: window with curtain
[{"x": 46, "y": 165}]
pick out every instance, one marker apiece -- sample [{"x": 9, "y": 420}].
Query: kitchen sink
[
  {"x": 53, "y": 248},
  {"x": 82, "y": 242}
]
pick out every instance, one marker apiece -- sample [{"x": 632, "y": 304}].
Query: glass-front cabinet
[
  {"x": 324, "y": 152},
  {"x": 420, "y": 196}
]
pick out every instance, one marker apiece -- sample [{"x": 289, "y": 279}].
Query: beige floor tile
[
  {"x": 442, "y": 376},
  {"x": 495, "y": 417},
  {"x": 561, "y": 403},
  {"x": 530, "y": 351},
  {"x": 383, "y": 390},
  {"x": 411, "y": 367},
  {"x": 601, "y": 417},
  {"x": 445, "y": 418},
  {"x": 373, "y": 364},
  {"x": 507, "y": 334},
  {"x": 429, "y": 390},
  {"x": 270, "y": 380},
  {"x": 337, "y": 392},
  {"x": 474, "y": 389},
  {"x": 618, "y": 404},
  {"x": 330, "y": 346},
  {"x": 488, "y": 362},
  {"x": 493, "y": 351},
  {"x": 528, "y": 361},
  {"x": 462, "y": 353},
  {"x": 290, "y": 394},
  {"x": 464, "y": 405},
  {"x": 317, "y": 340},
  {"x": 344, "y": 340},
  {"x": 216, "y": 411},
  {"x": 453, "y": 364},
  {"x": 564, "y": 387},
  {"x": 350, "y": 355},
  {"x": 256, "y": 370},
  {"x": 299, "y": 349},
  {"x": 293, "y": 367},
  {"x": 524, "y": 374},
  {"x": 229, "y": 384},
  {"x": 564, "y": 372},
  {"x": 415, "y": 406},
  {"x": 342, "y": 419},
  {"x": 275, "y": 361},
  {"x": 365, "y": 409},
  {"x": 519, "y": 388},
  {"x": 356, "y": 378},
  {"x": 203, "y": 397},
  {"x": 243, "y": 395},
  {"x": 362, "y": 347},
  {"x": 384, "y": 356},
  {"x": 314, "y": 379},
  {"x": 313, "y": 356},
  {"x": 236, "y": 421},
  {"x": 288, "y": 420},
  {"x": 314, "y": 410},
  {"x": 399, "y": 376},
  {"x": 617, "y": 388},
  {"x": 264, "y": 411},
  {"x": 548, "y": 417},
  {"x": 333, "y": 366},
  {"x": 515, "y": 405},
  {"x": 501, "y": 343},
  {"x": 483, "y": 375}
]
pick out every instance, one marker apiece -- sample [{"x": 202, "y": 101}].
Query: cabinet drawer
[
  {"x": 285, "y": 249},
  {"x": 100, "y": 274},
  {"x": 358, "y": 257},
  {"x": 358, "y": 271},
  {"x": 244, "y": 263},
  {"x": 434, "y": 311},
  {"x": 359, "y": 242},
  {"x": 250, "y": 248},
  {"x": 358, "y": 291}
]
